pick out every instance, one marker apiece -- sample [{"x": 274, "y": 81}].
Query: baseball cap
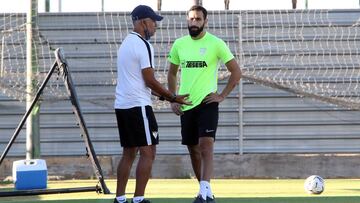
[{"x": 143, "y": 11}]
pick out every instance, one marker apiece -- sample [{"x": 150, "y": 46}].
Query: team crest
[{"x": 202, "y": 51}]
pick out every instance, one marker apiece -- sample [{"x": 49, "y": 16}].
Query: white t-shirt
[{"x": 133, "y": 56}]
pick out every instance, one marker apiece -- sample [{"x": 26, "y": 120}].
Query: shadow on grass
[{"x": 317, "y": 199}]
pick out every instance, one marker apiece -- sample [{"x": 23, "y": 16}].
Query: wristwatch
[{"x": 173, "y": 98}]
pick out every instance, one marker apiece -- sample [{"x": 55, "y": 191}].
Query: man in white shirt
[{"x": 137, "y": 125}]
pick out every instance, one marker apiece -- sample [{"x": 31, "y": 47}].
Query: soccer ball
[{"x": 314, "y": 184}]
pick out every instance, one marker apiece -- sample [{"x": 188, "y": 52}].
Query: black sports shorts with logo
[
  {"x": 200, "y": 121},
  {"x": 137, "y": 126}
]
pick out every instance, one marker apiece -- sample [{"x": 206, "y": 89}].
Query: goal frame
[{"x": 61, "y": 66}]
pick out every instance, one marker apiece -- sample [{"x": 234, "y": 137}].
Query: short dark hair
[{"x": 199, "y": 8}]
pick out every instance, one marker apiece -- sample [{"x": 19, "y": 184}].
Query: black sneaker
[
  {"x": 143, "y": 201},
  {"x": 115, "y": 201},
  {"x": 210, "y": 200},
  {"x": 199, "y": 199}
]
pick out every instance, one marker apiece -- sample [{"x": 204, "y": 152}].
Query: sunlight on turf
[
  {"x": 251, "y": 188},
  {"x": 188, "y": 188}
]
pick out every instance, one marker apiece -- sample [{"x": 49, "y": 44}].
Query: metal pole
[
  {"x": 226, "y": 2},
  {"x": 197, "y": 2},
  {"x": 159, "y": 2},
  {"x": 59, "y": 5},
  {"x": 241, "y": 91},
  {"x": 32, "y": 124},
  {"x": 307, "y": 4},
  {"x": 28, "y": 112},
  {"x": 48, "y": 191},
  {"x": 47, "y": 6},
  {"x": 2, "y": 56},
  {"x": 102, "y": 5},
  {"x": 70, "y": 88},
  {"x": 241, "y": 118}
]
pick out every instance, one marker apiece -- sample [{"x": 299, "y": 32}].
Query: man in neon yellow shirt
[{"x": 198, "y": 56}]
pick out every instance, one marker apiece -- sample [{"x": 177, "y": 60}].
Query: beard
[
  {"x": 147, "y": 34},
  {"x": 195, "y": 31}
]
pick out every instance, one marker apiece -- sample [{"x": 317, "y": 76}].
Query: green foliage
[{"x": 5, "y": 183}]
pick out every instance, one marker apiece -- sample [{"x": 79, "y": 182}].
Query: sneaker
[
  {"x": 210, "y": 200},
  {"x": 143, "y": 201},
  {"x": 115, "y": 201},
  {"x": 199, "y": 199}
]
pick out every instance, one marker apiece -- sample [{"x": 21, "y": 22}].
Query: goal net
[
  {"x": 13, "y": 74},
  {"x": 311, "y": 53}
]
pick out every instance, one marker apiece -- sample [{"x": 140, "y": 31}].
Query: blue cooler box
[{"x": 30, "y": 174}]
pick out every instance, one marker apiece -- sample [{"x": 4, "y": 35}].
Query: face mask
[{"x": 195, "y": 32}]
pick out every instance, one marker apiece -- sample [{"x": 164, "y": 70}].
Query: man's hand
[
  {"x": 176, "y": 104},
  {"x": 213, "y": 97},
  {"x": 176, "y": 108},
  {"x": 182, "y": 99}
]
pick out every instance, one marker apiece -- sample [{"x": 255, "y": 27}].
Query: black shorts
[
  {"x": 137, "y": 126},
  {"x": 200, "y": 121}
]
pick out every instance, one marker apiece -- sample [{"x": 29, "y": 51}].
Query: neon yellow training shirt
[{"x": 199, "y": 61}]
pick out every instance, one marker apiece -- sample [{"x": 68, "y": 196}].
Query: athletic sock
[
  {"x": 204, "y": 187},
  {"x": 121, "y": 199},
  {"x": 209, "y": 192},
  {"x": 138, "y": 199}
]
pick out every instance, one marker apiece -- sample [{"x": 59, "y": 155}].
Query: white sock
[
  {"x": 121, "y": 199},
  {"x": 209, "y": 192},
  {"x": 204, "y": 188},
  {"x": 138, "y": 199}
]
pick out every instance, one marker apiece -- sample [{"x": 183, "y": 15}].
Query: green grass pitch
[{"x": 226, "y": 191}]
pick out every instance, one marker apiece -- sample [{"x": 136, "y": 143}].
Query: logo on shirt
[
  {"x": 202, "y": 51},
  {"x": 196, "y": 64}
]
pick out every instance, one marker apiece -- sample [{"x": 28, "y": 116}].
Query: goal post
[{"x": 33, "y": 122}]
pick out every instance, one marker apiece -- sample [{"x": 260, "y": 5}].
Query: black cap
[{"x": 142, "y": 11}]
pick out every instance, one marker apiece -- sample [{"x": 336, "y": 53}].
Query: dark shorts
[
  {"x": 137, "y": 126},
  {"x": 200, "y": 121}
]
